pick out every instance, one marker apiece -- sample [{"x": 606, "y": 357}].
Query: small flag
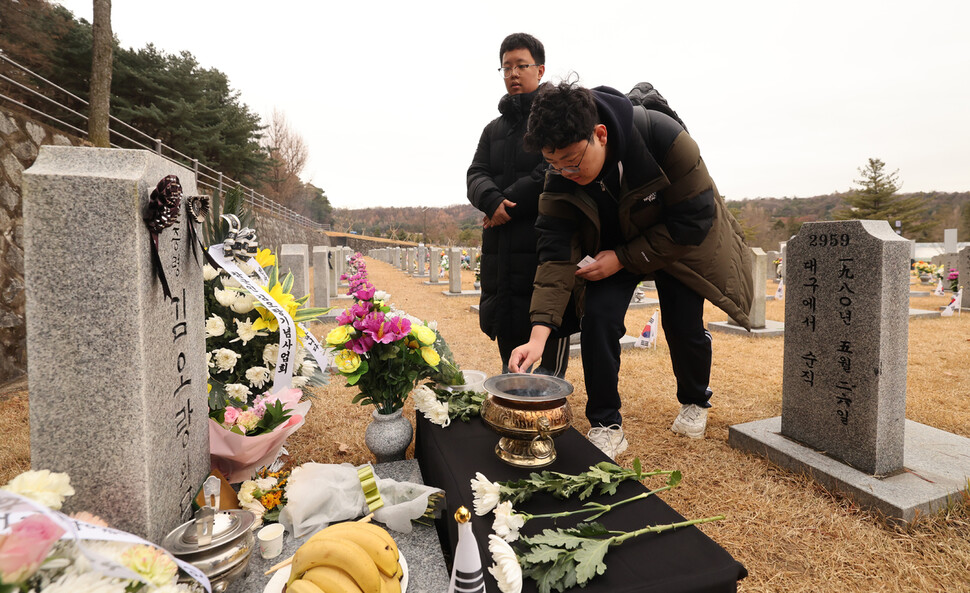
[
  {"x": 954, "y": 305},
  {"x": 648, "y": 337},
  {"x": 466, "y": 573},
  {"x": 780, "y": 293},
  {"x": 939, "y": 288}
]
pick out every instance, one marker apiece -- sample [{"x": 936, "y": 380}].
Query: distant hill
[{"x": 766, "y": 221}]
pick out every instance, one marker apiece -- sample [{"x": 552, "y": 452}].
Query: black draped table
[{"x": 680, "y": 561}]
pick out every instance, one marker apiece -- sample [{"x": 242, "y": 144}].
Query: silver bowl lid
[
  {"x": 528, "y": 387},
  {"x": 229, "y": 525}
]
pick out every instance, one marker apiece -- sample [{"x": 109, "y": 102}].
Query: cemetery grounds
[{"x": 790, "y": 533}]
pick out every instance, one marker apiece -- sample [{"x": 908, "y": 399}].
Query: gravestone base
[
  {"x": 936, "y": 466},
  {"x": 646, "y": 302},
  {"x": 434, "y": 282},
  {"x": 462, "y": 293},
  {"x": 919, "y": 293},
  {"x": 474, "y": 309},
  {"x": 920, "y": 313},
  {"x": 626, "y": 342},
  {"x": 770, "y": 330},
  {"x": 956, "y": 310}
]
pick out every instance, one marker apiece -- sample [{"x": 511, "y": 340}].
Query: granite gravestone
[
  {"x": 454, "y": 270},
  {"x": 963, "y": 268},
  {"x": 321, "y": 276},
  {"x": 844, "y": 389},
  {"x": 407, "y": 261},
  {"x": 760, "y": 327},
  {"x": 422, "y": 261},
  {"x": 295, "y": 259},
  {"x": 396, "y": 257},
  {"x": 949, "y": 240},
  {"x": 434, "y": 265},
  {"x": 117, "y": 373}
]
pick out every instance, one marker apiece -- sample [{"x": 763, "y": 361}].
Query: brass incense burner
[{"x": 528, "y": 412}]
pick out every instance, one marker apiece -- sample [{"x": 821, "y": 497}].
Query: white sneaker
[
  {"x": 691, "y": 422},
  {"x": 608, "y": 439}
]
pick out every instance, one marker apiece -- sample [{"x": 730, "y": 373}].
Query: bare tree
[
  {"x": 288, "y": 156},
  {"x": 101, "y": 57}
]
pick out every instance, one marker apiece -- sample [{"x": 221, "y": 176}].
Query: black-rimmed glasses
[{"x": 574, "y": 170}]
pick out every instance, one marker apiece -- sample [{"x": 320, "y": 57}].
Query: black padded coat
[{"x": 502, "y": 169}]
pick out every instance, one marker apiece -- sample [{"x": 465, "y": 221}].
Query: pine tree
[{"x": 876, "y": 199}]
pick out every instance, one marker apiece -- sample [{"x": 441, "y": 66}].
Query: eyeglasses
[
  {"x": 507, "y": 70},
  {"x": 574, "y": 170}
]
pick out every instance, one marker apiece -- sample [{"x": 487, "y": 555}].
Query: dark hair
[
  {"x": 523, "y": 41},
  {"x": 561, "y": 115}
]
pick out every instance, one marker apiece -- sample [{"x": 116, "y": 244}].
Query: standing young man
[
  {"x": 627, "y": 186},
  {"x": 504, "y": 182}
]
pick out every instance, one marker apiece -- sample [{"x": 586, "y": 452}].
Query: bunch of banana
[{"x": 350, "y": 557}]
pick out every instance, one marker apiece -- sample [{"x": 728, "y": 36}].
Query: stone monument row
[
  {"x": 295, "y": 259},
  {"x": 117, "y": 373}
]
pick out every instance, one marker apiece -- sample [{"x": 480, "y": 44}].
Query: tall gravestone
[
  {"x": 295, "y": 259},
  {"x": 396, "y": 257},
  {"x": 117, "y": 374},
  {"x": 422, "y": 261},
  {"x": 963, "y": 267},
  {"x": 760, "y": 326},
  {"x": 321, "y": 276},
  {"x": 434, "y": 264},
  {"x": 454, "y": 270},
  {"x": 847, "y": 324},
  {"x": 407, "y": 261},
  {"x": 949, "y": 240}
]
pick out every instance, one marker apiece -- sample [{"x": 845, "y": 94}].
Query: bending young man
[
  {"x": 627, "y": 186},
  {"x": 504, "y": 182}
]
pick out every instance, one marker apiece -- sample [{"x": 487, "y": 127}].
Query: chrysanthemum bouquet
[
  {"x": 265, "y": 494},
  {"x": 34, "y": 555},
  {"x": 385, "y": 352},
  {"x": 954, "y": 278},
  {"x": 242, "y": 345}
]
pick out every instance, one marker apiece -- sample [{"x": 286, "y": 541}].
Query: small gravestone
[
  {"x": 844, "y": 389},
  {"x": 784, "y": 261},
  {"x": 435, "y": 264},
  {"x": 321, "y": 276},
  {"x": 949, "y": 241},
  {"x": 422, "y": 261},
  {"x": 117, "y": 374},
  {"x": 760, "y": 327},
  {"x": 454, "y": 270},
  {"x": 963, "y": 267},
  {"x": 396, "y": 257},
  {"x": 407, "y": 261},
  {"x": 295, "y": 259}
]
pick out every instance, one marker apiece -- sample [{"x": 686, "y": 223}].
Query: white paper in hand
[{"x": 585, "y": 262}]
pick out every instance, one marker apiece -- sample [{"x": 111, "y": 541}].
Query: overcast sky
[{"x": 785, "y": 98}]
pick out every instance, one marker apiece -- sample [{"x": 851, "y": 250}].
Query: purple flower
[
  {"x": 386, "y": 329},
  {"x": 366, "y": 293},
  {"x": 361, "y": 344}
]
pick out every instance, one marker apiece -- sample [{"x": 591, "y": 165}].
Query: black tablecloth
[{"x": 684, "y": 560}]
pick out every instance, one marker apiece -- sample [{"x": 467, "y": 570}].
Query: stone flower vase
[{"x": 388, "y": 436}]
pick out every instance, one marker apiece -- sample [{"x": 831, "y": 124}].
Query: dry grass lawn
[{"x": 792, "y": 535}]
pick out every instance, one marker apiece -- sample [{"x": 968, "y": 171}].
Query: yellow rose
[
  {"x": 424, "y": 333},
  {"x": 339, "y": 335},
  {"x": 430, "y": 356},
  {"x": 347, "y": 361}
]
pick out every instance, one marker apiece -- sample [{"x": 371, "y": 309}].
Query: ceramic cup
[{"x": 270, "y": 540}]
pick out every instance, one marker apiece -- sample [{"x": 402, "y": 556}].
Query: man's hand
[
  {"x": 524, "y": 356},
  {"x": 500, "y": 216},
  {"x": 606, "y": 265}
]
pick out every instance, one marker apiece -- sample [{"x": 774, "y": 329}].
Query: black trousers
[
  {"x": 682, "y": 317},
  {"x": 555, "y": 356}
]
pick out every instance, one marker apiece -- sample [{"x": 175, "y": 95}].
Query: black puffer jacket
[{"x": 502, "y": 169}]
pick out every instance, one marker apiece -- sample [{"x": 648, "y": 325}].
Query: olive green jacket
[{"x": 671, "y": 218}]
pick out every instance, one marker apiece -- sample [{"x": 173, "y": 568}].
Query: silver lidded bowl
[
  {"x": 527, "y": 411},
  {"x": 223, "y": 553}
]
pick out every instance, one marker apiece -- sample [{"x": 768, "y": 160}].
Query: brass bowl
[{"x": 527, "y": 411}]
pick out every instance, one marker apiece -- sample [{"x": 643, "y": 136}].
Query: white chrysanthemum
[
  {"x": 426, "y": 402},
  {"x": 244, "y": 303},
  {"x": 245, "y": 268},
  {"x": 299, "y": 382},
  {"x": 380, "y": 295},
  {"x": 507, "y": 522},
  {"x": 438, "y": 414},
  {"x": 208, "y": 360},
  {"x": 42, "y": 486},
  {"x": 245, "y": 331},
  {"x": 506, "y": 570},
  {"x": 246, "y": 491},
  {"x": 89, "y": 582},
  {"x": 230, "y": 282},
  {"x": 208, "y": 272},
  {"x": 225, "y": 359},
  {"x": 257, "y": 376},
  {"x": 214, "y": 327},
  {"x": 238, "y": 392},
  {"x": 265, "y": 484},
  {"x": 225, "y": 297},
  {"x": 433, "y": 325},
  {"x": 271, "y": 353},
  {"x": 307, "y": 367},
  {"x": 486, "y": 494}
]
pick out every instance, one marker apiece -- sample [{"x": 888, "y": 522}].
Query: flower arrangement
[
  {"x": 265, "y": 495},
  {"x": 242, "y": 344},
  {"x": 35, "y": 557},
  {"x": 954, "y": 278},
  {"x": 384, "y": 352},
  {"x": 922, "y": 267},
  {"x": 558, "y": 559},
  {"x": 441, "y": 406}
]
